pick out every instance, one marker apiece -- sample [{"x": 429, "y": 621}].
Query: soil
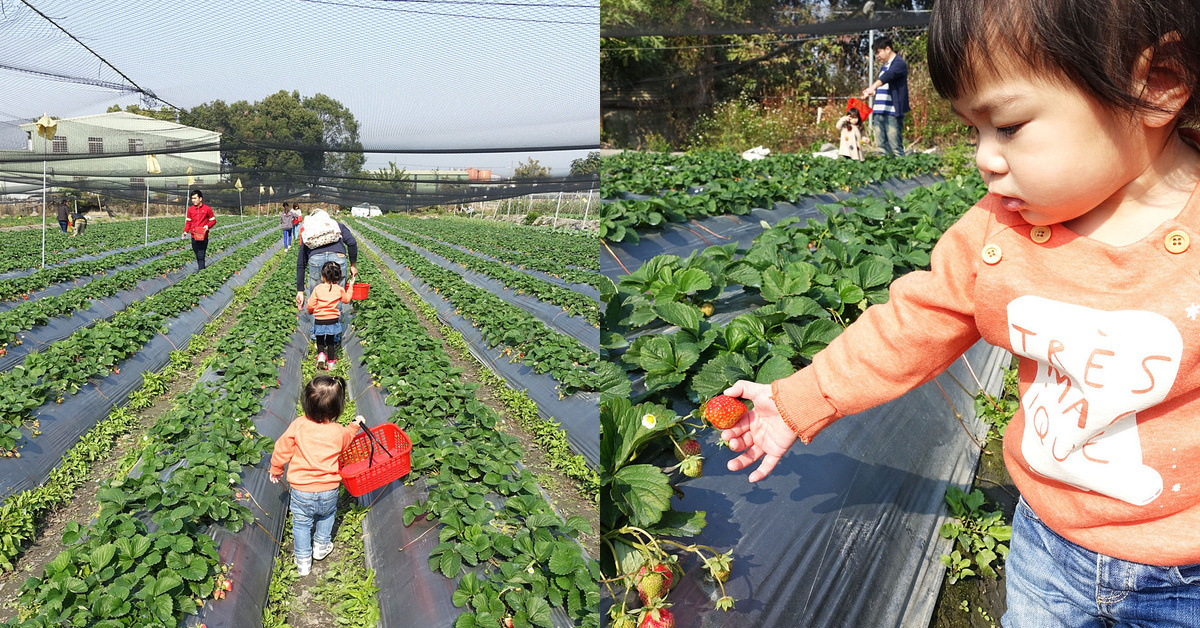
[
  {"x": 983, "y": 597},
  {"x": 304, "y": 610},
  {"x": 83, "y": 506},
  {"x": 562, "y": 490}
]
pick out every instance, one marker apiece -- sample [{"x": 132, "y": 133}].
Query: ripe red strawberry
[
  {"x": 692, "y": 467},
  {"x": 658, "y": 618},
  {"x": 723, "y": 411},
  {"x": 653, "y": 582},
  {"x": 687, "y": 447}
]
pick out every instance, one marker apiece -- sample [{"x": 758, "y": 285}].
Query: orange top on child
[{"x": 323, "y": 302}]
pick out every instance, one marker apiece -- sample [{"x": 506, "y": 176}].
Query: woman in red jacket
[{"x": 200, "y": 220}]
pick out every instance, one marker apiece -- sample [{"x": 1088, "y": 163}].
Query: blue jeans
[
  {"x": 1053, "y": 583},
  {"x": 315, "y": 262},
  {"x": 887, "y": 133},
  {"x": 310, "y": 508},
  {"x": 287, "y": 238}
]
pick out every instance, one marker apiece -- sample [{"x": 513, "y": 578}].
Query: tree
[
  {"x": 589, "y": 165},
  {"x": 531, "y": 170},
  {"x": 158, "y": 114},
  {"x": 283, "y": 133}
]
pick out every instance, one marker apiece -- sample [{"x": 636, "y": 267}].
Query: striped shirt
[{"x": 883, "y": 96}]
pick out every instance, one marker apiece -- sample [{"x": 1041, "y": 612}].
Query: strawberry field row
[
  {"x": 543, "y": 350},
  {"x": 23, "y": 247},
  {"x": 64, "y": 366},
  {"x": 121, "y": 570},
  {"x": 782, "y": 299},
  {"x": 575, "y": 248},
  {"x": 21, "y": 512},
  {"x": 549, "y": 435},
  {"x": 11, "y": 288},
  {"x": 479, "y": 238},
  {"x": 41, "y": 310},
  {"x": 528, "y": 558},
  {"x": 571, "y": 302},
  {"x": 731, "y": 187}
]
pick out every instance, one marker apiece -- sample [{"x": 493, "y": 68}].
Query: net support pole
[
  {"x": 587, "y": 207},
  {"x": 43, "y": 205},
  {"x": 557, "y": 207},
  {"x": 146, "y": 238}
]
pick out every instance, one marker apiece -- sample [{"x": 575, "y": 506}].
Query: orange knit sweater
[
  {"x": 1106, "y": 445},
  {"x": 310, "y": 450},
  {"x": 323, "y": 302}
]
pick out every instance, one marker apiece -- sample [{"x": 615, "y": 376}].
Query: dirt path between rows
[{"x": 83, "y": 506}]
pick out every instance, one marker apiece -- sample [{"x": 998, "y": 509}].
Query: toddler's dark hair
[
  {"x": 331, "y": 272},
  {"x": 324, "y": 398},
  {"x": 1092, "y": 44}
]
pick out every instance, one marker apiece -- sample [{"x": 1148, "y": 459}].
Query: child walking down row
[
  {"x": 1083, "y": 260},
  {"x": 324, "y": 305},
  {"x": 310, "y": 448}
]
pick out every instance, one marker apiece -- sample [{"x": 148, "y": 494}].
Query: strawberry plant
[
  {"x": 714, "y": 183},
  {"x": 636, "y": 511},
  {"x": 40, "y": 311},
  {"x": 522, "y": 246},
  {"x": 65, "y": 366},
  {"x": 571, "y": 302},
  {"x": 516, "y": 557},
  {"x": 526, "y": 338},
  {"x": 147, "y": 558}
]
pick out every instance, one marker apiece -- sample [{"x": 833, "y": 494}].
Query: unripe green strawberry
[
  {"x": 724, "y": 411},
  {"x": 658, "y": 618},
  {"x": 707, "y": 309},
  {"x": 692, "y": 467},
  {"x": 688, "y": 447},
  {"x": 623, "y": 621},
  {"x": 653, "y": 582}
]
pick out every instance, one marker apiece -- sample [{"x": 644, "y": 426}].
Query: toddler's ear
[{"x": 1162, "y": 81}]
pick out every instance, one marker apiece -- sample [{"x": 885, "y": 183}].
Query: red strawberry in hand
[
  {"x": 724, "y": 411},
  {"x": 658, "y": 618},
  {"x": 653, "y": 582}
]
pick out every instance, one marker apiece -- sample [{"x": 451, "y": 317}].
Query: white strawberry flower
[{"x": 649, "y": 421}]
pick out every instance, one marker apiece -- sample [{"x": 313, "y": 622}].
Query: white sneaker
[
  {"x": 320, "y": 551},
  {"x": 322, "y": 363},
  {"x": 304, "y": 565}
]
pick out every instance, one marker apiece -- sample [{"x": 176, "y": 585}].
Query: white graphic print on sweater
[{"x": 1096, "y": 370}]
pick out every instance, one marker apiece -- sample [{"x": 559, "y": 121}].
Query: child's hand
[
  {"x": 275, "y": 478},
  {"x": 761, "y": 432}
]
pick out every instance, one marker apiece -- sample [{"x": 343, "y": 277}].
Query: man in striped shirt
[{"x": 891, "y": 97}]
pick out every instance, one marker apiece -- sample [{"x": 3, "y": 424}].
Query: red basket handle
[{"x": 374, "y": 442}]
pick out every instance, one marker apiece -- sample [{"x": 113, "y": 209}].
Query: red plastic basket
[
  {"x": 365, "y": 466},
  {"x": 360, "y": 291}
]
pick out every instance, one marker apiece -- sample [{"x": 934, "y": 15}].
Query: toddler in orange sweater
[
  {"x": 323, "y": 304},
  {"x": 1079, "y": 260},
  {"x": 310, "y": 449}
]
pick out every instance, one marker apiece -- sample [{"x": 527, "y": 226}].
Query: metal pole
[
  {"x": 240, "y": 216},
  {"x": 43, "y": 202},
  {"x": 871, "y": 61},
  {"x": 588, "y": 206},
  {"x": 147, "y": 238},
  {"x": 557, "y": 207}
]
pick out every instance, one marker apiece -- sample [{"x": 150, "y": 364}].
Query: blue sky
[{"x": 477, "y": 74}]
